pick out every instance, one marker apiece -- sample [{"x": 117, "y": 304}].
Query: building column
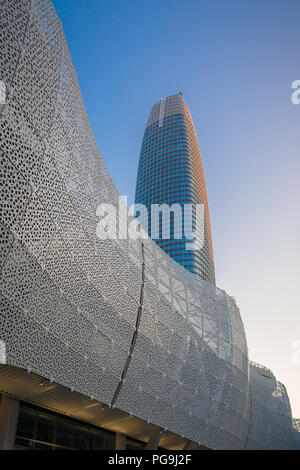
[
  {"x": 9, "y": 412},
  {"x": 154, "y": 439},
  {"x": 120, "y": 441}
]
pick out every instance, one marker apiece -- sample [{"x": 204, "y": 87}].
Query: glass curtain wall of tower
[{"x": 170, "y": 172}]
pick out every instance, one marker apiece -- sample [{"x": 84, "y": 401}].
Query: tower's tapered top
[{"x": 170, "y": 171}]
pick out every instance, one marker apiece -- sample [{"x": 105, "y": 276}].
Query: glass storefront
[{"x": 43, "y": 429}]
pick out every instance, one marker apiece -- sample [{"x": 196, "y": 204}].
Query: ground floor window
[{"x": 42, "y": 429}]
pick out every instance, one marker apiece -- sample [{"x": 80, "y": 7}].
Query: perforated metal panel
[
  {"x": 116, "y": 320},
  {"x": 270, "y": 412}
]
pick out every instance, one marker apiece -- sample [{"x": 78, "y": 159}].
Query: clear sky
[{"x": 235, "y": 61}]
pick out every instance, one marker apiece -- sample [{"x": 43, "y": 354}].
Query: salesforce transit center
[{"x": 104, "y": 344}]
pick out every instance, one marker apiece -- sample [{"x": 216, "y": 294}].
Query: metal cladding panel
[
  {"x": 296, "y": 432},
  {"x": 116, "y": 320},
  {"x": 270, "y": 412},
  {"x": 184, "y": 361}
]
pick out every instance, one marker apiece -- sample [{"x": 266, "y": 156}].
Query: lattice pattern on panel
[
  {"x": 116, "y": 320},
  {"x": 58, "y": 281},
  {"x": 270, "y": 411},
  {"x": 296, "y": 426},
  {"x": 178, "y": 356}
]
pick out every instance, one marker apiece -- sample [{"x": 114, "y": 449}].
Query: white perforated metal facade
[{"x": 115, "y": 320}]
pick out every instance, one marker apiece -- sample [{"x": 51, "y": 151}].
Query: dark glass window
[
  {"x": 25, "y": 427},
  {"x": 81, "y": 442},
  {"x": 41, "y": 429},
  {"x": 23, "y": 444},
  {"x": 63, "y": 437},
  {"x": 44, "y": 432}
]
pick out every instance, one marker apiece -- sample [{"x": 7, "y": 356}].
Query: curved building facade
[
  {"x": 271, "y": 425},
  {"x": 111, "y": 332},
  {"x": 170, "y": 172}
]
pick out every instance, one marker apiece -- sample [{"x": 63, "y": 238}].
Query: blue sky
[{"x": 235, "y": 61}]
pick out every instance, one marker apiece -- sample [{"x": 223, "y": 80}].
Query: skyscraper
[{"x": 170, "y": 172}]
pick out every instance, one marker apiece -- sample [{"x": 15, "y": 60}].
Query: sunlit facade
[
  {"x": 104, "y": 343},
  {"x": 170, "y": 172}
]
